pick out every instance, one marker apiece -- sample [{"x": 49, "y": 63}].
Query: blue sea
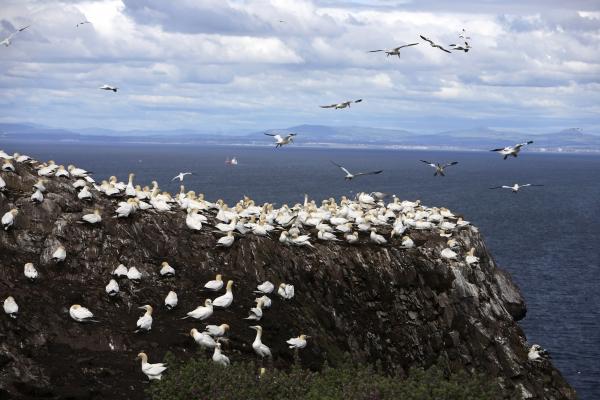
[{"x": 547, "y": 237}]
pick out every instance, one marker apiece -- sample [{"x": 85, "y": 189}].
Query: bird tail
[
  {"x": 187, "y": 316},
  {"x": 506, "y": 156}
]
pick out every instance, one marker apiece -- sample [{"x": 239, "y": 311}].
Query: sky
[{"x": 244, "y": 66}]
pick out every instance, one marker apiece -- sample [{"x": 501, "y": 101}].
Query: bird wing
[
  {"x": 22, "y": 29},
  {"x": 269, "y": 134},
  {"x": 176, "y": 177},
  {"x": 186, "y": 173},
  {"x": 429, "y": 163},
  {"x": 406, "y": 45},
  {"x": 500, "y": 149},
  {"x": 535, "y": 185},
  {"x": 427, "y": 40},
  {"x": 374, "y": 51},
  {"x": 329, "y": 106},
  {"x": 278, "y": 138},
  {"x": 506, "y": 187},
  {"x": 358, "y": 101},
  {"x": 450, "y": 164},
  {"x": 497, "y": 187},
  {"x": 342, "y": 168},
  {"x": 441, "y": 48},
  {"x": 369, "y": 173},
  {"x": 518, "y": 146}
]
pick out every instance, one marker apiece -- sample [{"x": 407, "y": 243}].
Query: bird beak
[
  {"x": 253, "y": 327},
  {"x": 141, "y": 308}
]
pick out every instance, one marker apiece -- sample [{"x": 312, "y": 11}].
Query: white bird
[
  {"x": 327, "y": 236},
  {"x": 282, "y": 141},
  {"x": 7, "y": 41},
  {"x": 120, "y": 271},
  {"x": 265, "y": 288},
  {"x": 219, "y": 357},
  {"x": 2, "y": 184},
  {"x": 144, "y": 323},
  {"x": 201, "y": 312},
  {"x": 125, "y": 209},
  {"x": 193, "y": 220},
  {"x": 216, "y": 330},
  {"x": 256, "y": 313},
  {"x": 37, "y": 196},
  {"x": 8, "y": 166},
  {"x": 171, "y": 300},
  {"x": 515, "y": 188},
  {"x": 351, "y": 238},
  {"x": 84, "y": 194},
  {"x": 298, "y": 342},
  {"x": 407, "y": 243},
  {"x": 40, "y": 185},
  {"x": 215, "y": 284},
  {"x": 59, "y": 254},
  {"x": 259, "y": 348},
  {"x": 181, "y": 176},
  {"x": 471, "y": 259},
  {"x": 377, "y": 238},
  {"x": 225, "y": 300},
  {"x": 339, "y": 106},
  {"x": 226, "y": 241},
  {"x": 537, "y": 354},
  {"x": 349, "y": 176},
  {"x": 152, "y": 371},
  {"x": 512, "y": 150},
  {"x": 8, "y": 219},
  {"x": 266, "y": 301},
  {"x": 286, "y": 291},
  {"x": 10, "y": 307},
  {"x": 203, "y": 339},
  {"x": 108, "y": 87},
  {"x": 81, "y": 314},
  {"x": 439, "y": 168},
  {"x": 92, "y": 218},
  {"x": 112, "y": 289},
  {"x": 30, "y": 272},
  {"x": 448, "y": 254},
  {"x": 395, "y": 51},
  {"x": 166, "y": 270},
  {"x": 134, "y": 274}
]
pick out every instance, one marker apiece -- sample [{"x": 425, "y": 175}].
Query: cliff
[{"x": 402, "y": 307}]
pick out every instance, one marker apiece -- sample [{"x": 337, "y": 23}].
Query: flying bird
[
  {"x": 82, "y": 23},
  {"x": 181, "y": 176},
  {"x": 344, "y": 104},
  {"x": 439, "y": 168},
  {"x": 463, "y": 35},
  {"x": 6, "y": 42},
  {"x": 349, "y": 176},
  {"x": 515, "y": 188},
  {"x": 107, "y": 87},
  {"x": 512, "y": 150},
  {"x": 395, "y": 51},
  {"x": 282, "y": 141},
  {"x": 434, "y": 44},
  {"x": 464, "y": 48}
]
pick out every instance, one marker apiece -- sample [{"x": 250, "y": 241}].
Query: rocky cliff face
[{"x": 402, "y": 307}]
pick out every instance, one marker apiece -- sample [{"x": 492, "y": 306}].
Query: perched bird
[
  {"x": 349, "y": 176},
  {"x": 59, "y": 254},
  {"x": 433, "y": 44},
  {"x": 376, "y": 238},
  {"x": 339, "y": 106},
  {"x": 201, "y": 312},
  {"x": 120, "y": 271},
  {"x": 515, "y": 188},
  {"x": 286, "y": 291},
  {"x": 7, "y": 41},
  {"x": 259, "y": 348},
  {"x": 171, "y": 300},
  {"x": 407, "y": 243},
  {"x": 266, "y": 301},
  {"x": 7, "y": 166},
  {"x": 112, "y": 289},
  {"x": 448, "y": 254},
  {"x": 471, "y": 259},
  {"x": 439, "y": 168},
  {"x": 10, "y": 307},
  {"x": 282, "y": 141},
  {"x": 144, "y": 323},
  {"x": 134, "y": 274},
  {"x": 8, "y": 219},
  {"x": 256, "y": 313},
  {"x": 152, "y": 371},
  {"x": 107, "y": 87},
  {"x": 512, "y": 150},
  {"x": 537, "y": 354},
  {"x": 30, "y": 272},
  {"x": 166, "y": 270},
  {"x": 219, "y": 357},
  {"x": 225, "y": 300},
  {"x": 37, "y": 196},
  {"x": 81, "y": 314},
  {"x": 298, "y": 342},
  {"x": 181, "y": 176},
  {"x": 215, "y": 284},
  {"x": 203, "y": 339},
  {"x": 227, "y": 240},
  {"x": 265, "y": 288},
  {"x": 216, "y": 330},
  {"x": 395, "y": 51},
  {"x": 92, "y": 218}
]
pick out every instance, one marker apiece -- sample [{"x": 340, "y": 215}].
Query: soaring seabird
[
  {"x": 10, "y": 307},
  {"x": 220, "y": 358},
  {"x": 6, "y": 42},
  {"x": 282, "y": 141},
  {"x": 515, "y": 188},
  {"x": 439, "y": 168},
  {"x": 512, "y": 150},
  {"x": 259, "y": 348},
  {"x": 144, "y": 323},
  {"x": 349, "y": 176},
  {"x": 339, "y": 106},
  {"x": 152, "y": 371},
  {"x": 181, "y": 176},
  {"x": 298, "y": 342},
  {"x": 464, "y": 48},
  {"x": 395, "y": 51},
  {"x": 81, "y": 314},
  {"x": 107, "y": 87},
  {"x": 82, "y": 23},
  {"x": 434, "y": 44}
]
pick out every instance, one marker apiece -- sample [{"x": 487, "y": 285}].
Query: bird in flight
[
  {"x": 512, "y": 150},
  {"x": 434, "y": 44},
  {"x": 515, "y": 188},
  {"x": 107, "y": 87},
  {"x": 439, "y": 168},
  {"x": 82, "y": 23},
  {"x": 6, "y": 42},
  {"x": 463, "y": 35},
  {"x": 181, "y": 176},
  {"x": 281, "y": 141},
  {"x": 349, "y": 176},
  {"x": 339, "y": 106},
  {"x": 464, "y": 48},
  {"x": 395, "y": 51}
]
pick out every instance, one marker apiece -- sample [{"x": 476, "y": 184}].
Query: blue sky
[{"x": 231, "y": 66}]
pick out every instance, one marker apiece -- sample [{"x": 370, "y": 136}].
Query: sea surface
[{"x": 547, "y": 237}]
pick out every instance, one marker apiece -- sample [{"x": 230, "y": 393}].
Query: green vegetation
[{"x": 201, "y": 379}]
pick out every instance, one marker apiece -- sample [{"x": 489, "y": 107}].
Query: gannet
[
  {"x": 133, "y": 274},
  {"x": 48, "y": 169},
  {"x": 152, "y": 371},
  {"x": 448, "y": 254},
  {"x": 464, "y": 48},
  {"x": 215, "y": 284},
  {"x": 84, "y": 194},
  {"x": 282, "y": 141},
  {"x": 395, "y": 51},
  {"x": 349, "y": 176},
  {"x": 10, "y": 307},
  {"x": 8, "y": 219},
  {"x": 120, "y": 271},
  {"x": 259, "y": 348},
  {"x": 61, "y": 172},
  {"x": 365, "y": 198},
  {"x": 203, "y": 339},
  {"x": 439, "y": 168},
  {"x": 166, "y": 270},
  {"x": 225, "y": 300},
  {"x": 78, "y": 172},
  {"x": 220, "y": 358},
  {"x": 471, "y": 258},
  {"x": 351, "y": 238},
  {"x": 226, "y": 241},
  {"x": 512, "y": 150},
  {"x": 7, "y": 41},
  {"x": 266, "y": 301},
  {"x": 5, "y": 155},
  {"x": 30, "y": 272},
  {"x": 327, "y": 236},
  {"x": 59, "y": 254},
  {"x": 112, "y": 289},
  {"x": 144, "y": 323},
  {"x": 37, "y": 197},
  {"x": 130, "y": 189},
  {"x": 193, "y": 220},
  {"x": 300, "y": 240},
  {"x": 2, "y": 184},
  {"x": 339, "y": 106},
  {"x": 407, "y": 243},
  {"x": 21, "y": 158},
  {"x": 216, "y": 331},
  {"x": 171, "y": 300},
  {"x": 107, "y": 87},
  {"x": 286, "y": 291},
  {"x": 79, "y": 184},
  {"x": 376, "y": 238},
  {"x": 515, "y": 188},
  {"x": 298, "y": 342},
  {"x": 256, "y": 313},
  {"x": 181, "y": 176},
  {"x": 92, "y": 218},
  {"x": 433, "y": 44},
  {"x": 201, "y": 312},
  {"x": 81, "y": 314},
  {"x": 537, "y": 354},
  {"x": 125, "y": 208},
  {"x": 265, "y": 288},
  {"x": 82, "y": 23}
]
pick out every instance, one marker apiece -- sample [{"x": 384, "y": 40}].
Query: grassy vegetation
[{"x": 200, "y": 379}]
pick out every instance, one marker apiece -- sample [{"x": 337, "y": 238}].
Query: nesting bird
[
  {"x": 265, "y": 288},
  {"x": 166, "y": 270},
  {"x": 171, "y": 300},
  {"x": 112, "y": 289},
  {"x": 10, "y": 307},
  {"x": 92, "y": 218},
  {"x": 215, "y": 284},
  {"x": 152, "y": 371},
  {"x": 81, "y": 314},
  {"x": 286, "y": 291},
  {"x": 225, "y": 300},
  {"x": 201, "y": 312},
  {"x": 144, "y": 323},
  {"x": 120, "y": 271},
  {"x": 30, "y": 272},
  {"x": 59, "y": 254},
  {"x": 297, "y": 342},
  {"x": 8, "y": 219}
]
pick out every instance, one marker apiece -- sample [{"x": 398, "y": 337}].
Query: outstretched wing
[
  {"x": 368, "y": 173},
  {"x": 429, "y": 163},
  {"x": 441, "y": 48},
  {"x": 497, "y": 187},
  {"x": 270, "y": 134},
  {"x": 22, "y": 29},
  {"x": 450, "y": 164},
  {"x": 358, "y": 101},
  {"x": 374, "y": 51},
  {"x": 500, "y": 149},
  {"x": 342, "y": 168},
  {"x": 518, "y": 146},
  {"x": 330, "y": 106},
  {"x": 406, "y": 45},
  {"x": 427, "y": 40}
]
